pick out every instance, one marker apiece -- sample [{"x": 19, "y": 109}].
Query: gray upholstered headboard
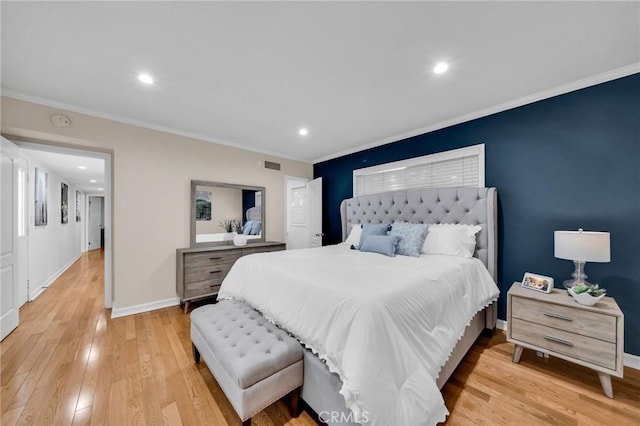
[
  {"x": 254, "y": 213},
  {"x": 467, "y": 205}
]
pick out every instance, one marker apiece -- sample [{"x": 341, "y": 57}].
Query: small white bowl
[
  {"x": 240, "y": 240},
  {"x": 585, "y": 298}
]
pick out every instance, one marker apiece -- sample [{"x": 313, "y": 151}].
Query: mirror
[{"x": 220, "y": 211}]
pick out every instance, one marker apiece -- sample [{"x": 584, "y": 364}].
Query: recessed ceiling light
[
  {"x": 100, "y": 189},
  {"x": 440, "y": 68},
  {"x": 82, "y": 167},
  {"x": 303, "y": 132},
  {"x": 93, "y": 181},
  {"x": 145, "y": 78}
]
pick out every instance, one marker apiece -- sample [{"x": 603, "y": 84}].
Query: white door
[
  {"x": 8, "y": 239},
  {"x": 314, "y": 198},
  {"x": 303, "y": 213},
  {"x": 95, "y": 222}
]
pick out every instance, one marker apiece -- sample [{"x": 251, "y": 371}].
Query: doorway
[
  {"x": 105, "y": 203},
  {"x": 303, "y": 212}
]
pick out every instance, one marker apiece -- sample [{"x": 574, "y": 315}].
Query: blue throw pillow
[
  {"x": 383, "y": 244},
  {"x": 371, "y": 229},
  {"x": 412, "y": 236},
  {"x": 247, "y": 227},
  {"x": 256, "y": 228}
]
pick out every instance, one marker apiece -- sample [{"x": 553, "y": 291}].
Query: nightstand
[{"x": 554, "y": 323}]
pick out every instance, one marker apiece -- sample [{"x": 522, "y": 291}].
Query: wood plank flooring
[{"x": 68, "y": 363}]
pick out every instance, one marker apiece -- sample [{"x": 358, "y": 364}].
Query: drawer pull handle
[
  {"x": 558, "y": 316},
  {"x": 215, "y": 258},
  {"x": 555, "y": 339},
  {"x": 217, "y": 271}
]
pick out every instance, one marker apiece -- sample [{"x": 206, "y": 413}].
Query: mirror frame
[{"x": 196, "y": 183}]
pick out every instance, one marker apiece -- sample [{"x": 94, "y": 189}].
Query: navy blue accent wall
[
  {"x": 567, "y": 162},
  {"x": 248, "y": 201}
]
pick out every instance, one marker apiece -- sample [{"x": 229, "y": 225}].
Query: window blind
[{"x": 463, "y": 167}]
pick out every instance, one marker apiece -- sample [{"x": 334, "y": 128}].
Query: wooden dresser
[
  {"x": 200, "y": 270},
  {"x": 554, "y": 323}
]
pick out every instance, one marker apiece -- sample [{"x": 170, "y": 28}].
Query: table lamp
[{"x": 581, "y": 247}]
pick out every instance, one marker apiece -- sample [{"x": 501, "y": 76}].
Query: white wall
[
  {"x": 54, "y": 247},
  {"x": 159, "y": 166}
]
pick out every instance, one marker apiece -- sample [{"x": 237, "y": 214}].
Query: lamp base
[{"x": 579, "y": 277}]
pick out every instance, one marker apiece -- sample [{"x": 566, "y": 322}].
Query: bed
[{"x": 375, "y": 354}]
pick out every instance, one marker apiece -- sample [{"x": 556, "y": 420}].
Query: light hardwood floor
[{"x": 69, "y": 363}]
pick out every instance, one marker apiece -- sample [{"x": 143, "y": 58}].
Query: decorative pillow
[
  {"x": 354, "y": 236},
  {"x": 412, "y": 237},
  {"x": 383, "y": 244},
  {"x": 371, "y": 229},
  {"x": 247, "y": 227},
  {"x": 256, "y": 227},
  {"x": 457, "y": 240}
]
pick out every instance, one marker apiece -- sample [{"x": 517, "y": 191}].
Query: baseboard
[
  {"x": 501, "y": 325},
  {"x": 35, "y": 293},
  {"x": 631, "y": 361},
  {"x": 144, "y": 307},
  {"x": 60, "y": 271}
]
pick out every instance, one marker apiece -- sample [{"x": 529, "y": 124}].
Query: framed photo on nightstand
[{"x": 537, "y": 282}]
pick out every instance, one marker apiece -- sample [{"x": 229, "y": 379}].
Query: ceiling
[
  {"x": 66, "y": 166},
  {"x": 355, "y": 74}
]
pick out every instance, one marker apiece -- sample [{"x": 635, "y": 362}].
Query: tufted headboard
[
  {"x": 254, "y": 213},
  {"x": 467, "y": 205}
]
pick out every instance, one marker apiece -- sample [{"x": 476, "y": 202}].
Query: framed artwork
[
  {"x": 40, "y": 197},
  {"x": 64, "y": 203},
  {"x": 537, "y": 282},
  {"x": 77, "y": 206},
  {"x": 203, "y": 205}
]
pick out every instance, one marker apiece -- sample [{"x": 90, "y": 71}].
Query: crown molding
[
  {"x": 112, "y": 117},
  {"x": 545, "y": 94}
]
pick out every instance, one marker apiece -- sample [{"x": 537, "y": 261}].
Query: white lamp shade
[{"x": 585, "y": 246}]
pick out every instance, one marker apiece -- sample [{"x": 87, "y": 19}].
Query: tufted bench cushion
[{"x": 254, "y": 362}]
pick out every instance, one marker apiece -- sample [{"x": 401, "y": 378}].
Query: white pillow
[
  {"x": 354, "y": 235},
  {"x": 457, "y": 240}
]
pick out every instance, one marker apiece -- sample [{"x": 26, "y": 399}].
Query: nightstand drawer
[
  {"x": 574, "y": 320},
  {"x": 574, "y": 345},
  {"x": 196, "y": 260}
]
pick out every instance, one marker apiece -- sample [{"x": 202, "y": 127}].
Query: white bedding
[{"x": 385, "y": 325}]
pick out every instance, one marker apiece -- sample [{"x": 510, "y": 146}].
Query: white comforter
[{"x": 385, "y": 325}]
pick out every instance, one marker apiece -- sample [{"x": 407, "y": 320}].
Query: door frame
[{"x": 107, "y": 156}]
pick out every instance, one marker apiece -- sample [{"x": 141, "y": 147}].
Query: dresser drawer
[
  {"x": 246, "y": 251},
  {"x": 574, "y": 320},
  {"x": 202, "y": 288},
  {"x": 206, "y": 273},
  {"x": 574, "y": 345},
  {"x": 196, "y": 260}
]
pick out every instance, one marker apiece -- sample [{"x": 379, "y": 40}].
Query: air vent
[{"x": 271, "y": 165}]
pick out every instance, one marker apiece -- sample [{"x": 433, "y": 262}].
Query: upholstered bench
[{"x": 254, "y": 362}]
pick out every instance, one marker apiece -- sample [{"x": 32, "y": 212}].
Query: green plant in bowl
[{"x": 592, "y": 290}]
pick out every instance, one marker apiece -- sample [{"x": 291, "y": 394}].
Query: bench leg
[
  {"x": 294, "y": 402},
  {"x": 196, "y": 353}
]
